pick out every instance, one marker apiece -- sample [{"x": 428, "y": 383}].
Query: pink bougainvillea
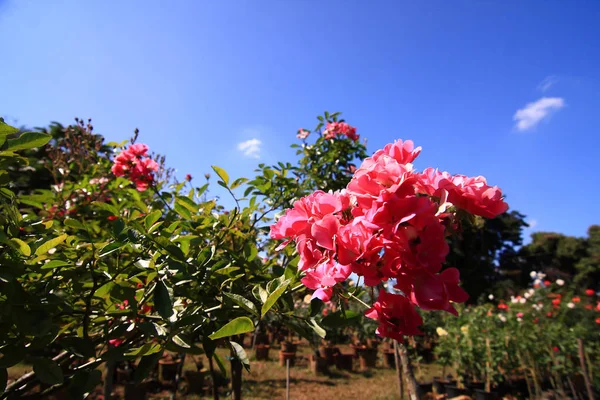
[
  {"x": 391, "y": 222},
  {"x": 135, "y": 164}
]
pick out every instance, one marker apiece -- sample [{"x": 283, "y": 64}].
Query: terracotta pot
[
  {"x": 289, "y": 347},
  {"x": 261, "y": 352},
  {"x": 195, "y": 381},
  {"x": 318, "y": 365},
  {"x": 327, "y": 352},
  {"x": 283, "y": 356},
  {"x": 344, "y": 361},
  {"x": 367, "y": 358},
  {"x": 389, "y": 359},
  {"x": 167, "y": 369}
]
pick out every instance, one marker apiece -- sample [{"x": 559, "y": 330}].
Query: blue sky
[{"x": 200, "y": 77}]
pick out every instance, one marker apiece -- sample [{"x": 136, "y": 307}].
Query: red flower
[
  {"x": 549, "y": 315},
  {"x": 556, "y": 302},
  {"x": 598, "y": 321},
  {"x": 590, "y": 292},
  {"x": 555, "y": 349},
  {"x": 188, "y": 177},
  {"x": 112, "y": 217},
  {"x": 115, "y": 342},
  {"x": 576, "y": 300},
  {"x": 396, "y": 315},
  {"x": 536, "y": 320},
  {"x": 589, "y": 306},
  {"x": 547, "y": 283}
]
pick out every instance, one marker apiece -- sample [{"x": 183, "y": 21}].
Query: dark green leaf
[
  {"x": 144, "y": 350},
  {"x": 145, "y": 366},
  {"x": 48, "y": 371},
  {"x": 163, "y": 300},
  {"x": 3, "y": 379}
]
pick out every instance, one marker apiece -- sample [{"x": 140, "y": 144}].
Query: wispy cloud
[
  {"x": 547, "y": 83},
  {"x": 533, "y": 113},
  {"x": 532, "y": 223},
  {"x": 250, "y": 148}
]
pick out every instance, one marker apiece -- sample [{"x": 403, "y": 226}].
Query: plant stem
[{"x": 359, "y": 300}]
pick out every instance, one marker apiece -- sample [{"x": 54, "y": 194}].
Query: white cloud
[
  {"x": 531, "y": 115},
  {"x": 547, "y": 83},
  {"x": 532, "y": 223},
  {"x": 250, "y": 148}
]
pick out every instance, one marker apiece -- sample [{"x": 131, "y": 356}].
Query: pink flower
[
  {"x": 520, "y": 315},
  {"x": 302, "y": 133},
  {"x": 324, "y": 277},
  {"x": 396, "y": 316},
  {"x": 334, "y": 129},
  {"x": 115, "y": 342},
  {"x": 135, "y": 164}
]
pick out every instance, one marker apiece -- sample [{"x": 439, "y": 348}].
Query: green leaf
[
  {"x": 238, "y": 182},
  {"x": 163, "y": 300},
  {"x": 145, "y": 350},
  {"x": 222, "y": 174},
  {"x": 241, "y": 355},
  {"x": 273, "y": 297},
  {"x": 74, "y": 223},
  {"x": 152, "y": 218},
  {"x": 339, "y": 319},
  {"x": 242, "y": 302},
  {"x": 23, "y": 247},
  {"x": 43, "y": 249},
  {"x": 187, "y": 203},
  {"x": 6, "y": 129},
  {"x": 110, "y": 248},
  {"x": 145, "y": 366},
  {"x": 182, "y": 211},
  {"x": 28, "y": 140},
  {"x": 55, "y": 264},
  {"x": 48, "y": 371},
  {"x": 236, "y": 327}
]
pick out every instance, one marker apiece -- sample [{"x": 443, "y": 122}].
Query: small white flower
[
  {"x": 560, "y": 282},
  {"x": 527, "y": 295},
  {"x": 533, "y": 274},
  {"x": 522, "y": 300},
  {"x": 571, "y": 305},
  {"x": 540, "y": 275},
  {"x": 519, "y": 319},
  {"x": 537, "y": 282},
  {"x": 513, "y": 299},
  {"x": 502, "y": 317},
  {"x": 52, "y": 250},
  {"x": 491, "y": 297}
]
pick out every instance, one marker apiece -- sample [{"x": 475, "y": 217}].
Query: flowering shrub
[
  {"x": 534, "y": 334},
  {"x": 390, "y": 222}
]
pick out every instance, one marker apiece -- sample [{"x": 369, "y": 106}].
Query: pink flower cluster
[
  {"x": 391, "y": 222},
  {"x": 335, "y": 129},
  {"x": 302, "y": 133},
  {"x": 135, "y": 164}
]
